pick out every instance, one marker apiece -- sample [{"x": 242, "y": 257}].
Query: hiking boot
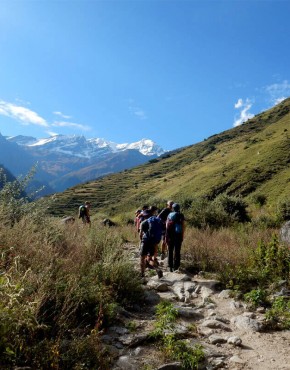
[
  {"x": 147, "y": 264},
  {"x": 156, "y": 263},
  {"x": 159, "y": 273}
]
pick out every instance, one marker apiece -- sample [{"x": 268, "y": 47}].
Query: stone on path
[
  {"x": 236, "y": 341},
  {"x": 215, "y": 324},
  {"x": 247, "y": 323}
]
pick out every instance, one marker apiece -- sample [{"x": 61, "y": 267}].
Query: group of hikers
[
  {"x": 166, "y": 226},
  {"x": 153, "y": 227}
]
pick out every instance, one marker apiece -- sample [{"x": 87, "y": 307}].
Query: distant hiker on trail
[
  {"x": 150, "y": 235},
  {"x": 84, "y": 213},
  {"x": 175, "y": 225},
  {"x": 163, "y": 216}
]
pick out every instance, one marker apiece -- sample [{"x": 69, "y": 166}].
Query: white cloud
[
  {"x": 239, "y": 104},
  {"x": 22, "y": 114},
  {"x": 70, "y": 124},
  {"x": 140, "y": 113},
  {"x": 278, "y": 91},
  {"x": 136, "y": 110},
  {"x": 62, "y": 115},
  {"x": 245, "y": 115}
]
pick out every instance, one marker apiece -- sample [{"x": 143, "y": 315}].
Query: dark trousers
[{"x": 174, "y": 247}]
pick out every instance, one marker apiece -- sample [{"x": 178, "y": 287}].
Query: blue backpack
[
  {"x": 174, "y": 223},
  {"x": 155, "y": 229}
]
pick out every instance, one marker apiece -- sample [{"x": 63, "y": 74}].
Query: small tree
[{"x": 14, "y": 202}]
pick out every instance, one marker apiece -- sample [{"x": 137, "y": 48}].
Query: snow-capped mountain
[
  {"x": 65, "y": 161},
  {"x": 79, "y": 146}
]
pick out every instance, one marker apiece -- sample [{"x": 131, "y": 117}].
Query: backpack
[
  {"x": 82, "y": 211},
  {"x": 174, "y": 223},
  {"x": 155, "y": 227}
]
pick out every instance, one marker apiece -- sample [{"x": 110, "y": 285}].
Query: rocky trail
[{"x": 232, "y": 336}]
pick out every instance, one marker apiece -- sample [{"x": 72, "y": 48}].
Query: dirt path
[{"x": 232, "y": 336}]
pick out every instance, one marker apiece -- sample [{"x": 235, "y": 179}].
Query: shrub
[
  {"x": 234, "y": 207},
  {"x": 178, "y": 350},
  {"x": 283, "y": 210},
  {"x": 259, "y": 199},
  {"x": 256, "y": 297},
  {"x": 278, "y": 317}
]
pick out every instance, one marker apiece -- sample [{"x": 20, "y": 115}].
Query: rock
[
  {"x": 215, "y": 324},
  {"x": 169, "y": 296},
  {"x": 211, "y": 284},
  {"x": 125, "y": 363},
  {"x": 236, "y": 359},
  {"x": 157, "y": 285},
  {"x": 139, "y": 351},
  {"x": 216, "y": 363},
  {"x": 151, "y": 297},
  {"x": 133, "y": 340},
  {"x": 162, "y": 287},
  {"x": 206, "y": 292},
  {"x": 119, "y": 330},
  {"x": 178, "y": 289},
  {"x": 214, "y": 339},
  {"x": 247, "y": 323},
  {"x": 235, "y": 305},
  {"x": 226, "y": 293},
  {"x": 222, "y": 319},
  {"x": 189, "y": 312},
  {"x": 206, "y": 332},
  {"x": 189, "y": 286},
  {"x": 68, "y": 220},
  {"x": 249, "y": 314},
  {"x": 210, "y": 306},
  {"x": 285, "y": 233},
  {"x": 236, "y": 341}
]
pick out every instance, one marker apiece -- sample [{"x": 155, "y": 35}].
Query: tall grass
[
  {"x": 243, "y": 257},
  {"x": 60, "y": 285}
]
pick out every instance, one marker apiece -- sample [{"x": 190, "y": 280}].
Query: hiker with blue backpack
[
  {"x": 150, "y": 236},
  {"x": 175, "y": 225}
]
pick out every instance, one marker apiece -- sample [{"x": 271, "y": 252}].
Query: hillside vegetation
[{"x": 248, "y": 161}]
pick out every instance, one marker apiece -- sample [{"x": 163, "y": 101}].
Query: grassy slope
[{"x": 251, "y": 158}]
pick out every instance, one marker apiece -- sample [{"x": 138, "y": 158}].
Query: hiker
[
  {"x": 175, "y": 225},
  {"x": 150, "y": 236},
  {"x": 163, "y": 216},
  {"x": 84, "y": 213},
  {"x": 139, "y": 216}
]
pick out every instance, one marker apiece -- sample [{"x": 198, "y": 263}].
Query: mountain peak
[{"x": 79, "y": 146}]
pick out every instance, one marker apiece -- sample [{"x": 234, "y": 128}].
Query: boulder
[{"x": 285, "y": 233}]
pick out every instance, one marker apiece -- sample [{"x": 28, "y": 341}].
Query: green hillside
[{"x": 247, "y": 160}]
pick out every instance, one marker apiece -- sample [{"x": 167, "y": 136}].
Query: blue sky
[{"x": 172, "y": 71}]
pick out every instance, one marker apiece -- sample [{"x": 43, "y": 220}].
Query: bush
[
  {"x": 259, "y": 199},
  {"x": 283, "y": 210},
  {"x": 234, "y": 207}
]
